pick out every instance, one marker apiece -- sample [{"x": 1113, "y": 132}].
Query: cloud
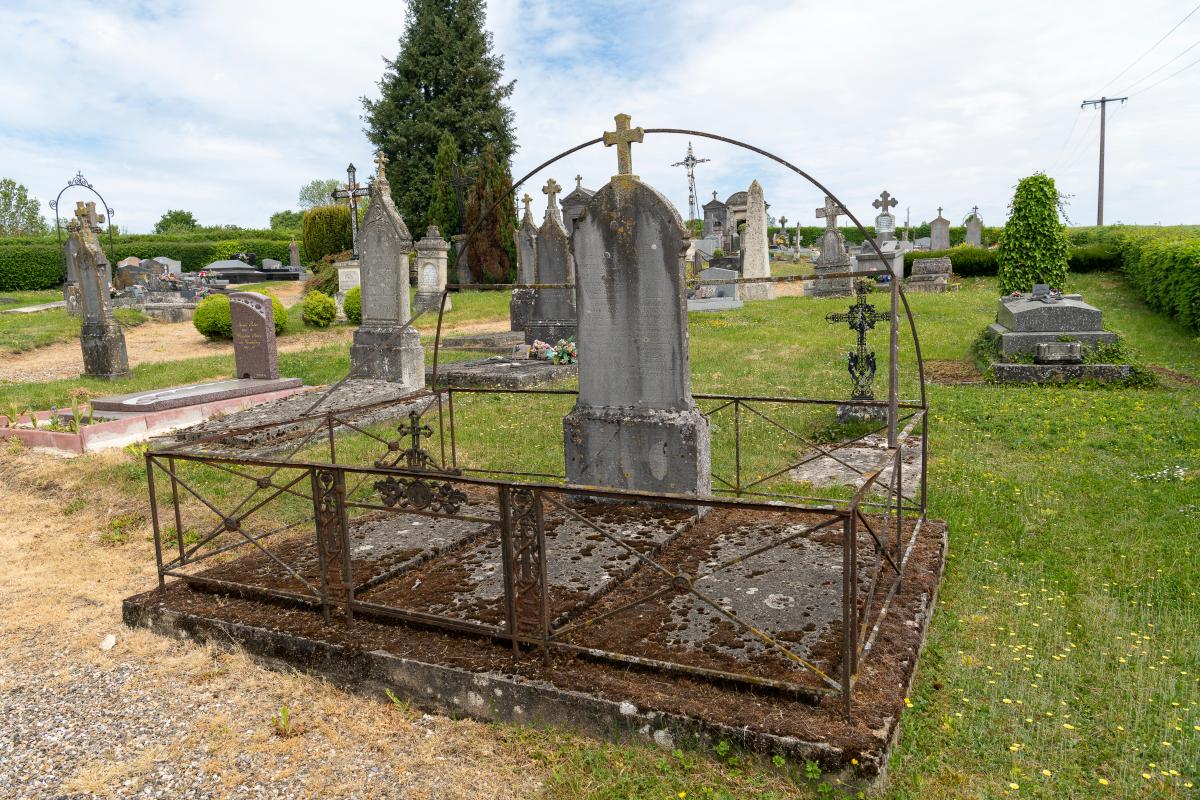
[{"x": 227, "y": 108}]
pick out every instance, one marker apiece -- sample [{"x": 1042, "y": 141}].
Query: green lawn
[
  {"x": 1062, "y": 660},
  {"x": 22, "y": 332},
  {"x": 35, "y": 298}
]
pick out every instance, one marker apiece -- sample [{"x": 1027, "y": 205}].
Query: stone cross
[
  {"x": 352, "y": 191},
  {"x": 830, "y": 212},
  {"x": 551, "y": 190},
  {"x": 528, "y": 202},
  {"x": 578, "y": 181},
  {"x": 885, "y": 201},
  {"x": 623, "y": 137},
  {"x": 861, "y": 318},
  {"x": 87, "y": 216},
  {"x": 381, "y": 162},
  {"x": 939, "y": 211}
]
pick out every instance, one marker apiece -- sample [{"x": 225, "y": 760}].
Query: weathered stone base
[
  {"x": 644, "y": 450},
  {"x": 1061, "y": 373},
  {"x": 852, "y": 413},
  {"x": 549, "y": 330},
  {"x": 757, "y": 291},
  {"x": 170, "y": 312},
  {"x": 830, "y": 287},
  {"x": 520, "y": 308},
  {"x": 389, "y": 354},
  {"x": 1013, "y": 342},
  {"x": 104, "y": 354},
  {"x": 430, "y": 302},
  {"x": 714, "y": 304},
  {"x": 501, "y": 372},
  {"x": 927, "y": 283}
]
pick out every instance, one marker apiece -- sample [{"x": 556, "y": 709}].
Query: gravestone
[
  {"x": 939, "y": 232},
  {"x": 974, "y": 229},
  {"x": 885, "y": 221},
  {"x": 930, "y": 275},
  {"x": 253, "y": 322},
  {"x": 574, "y": 204},
  {"x": 525, "y": 237},
  {"x": 432, "y": 256},
  {"x": 832, "y": 257},
  {"x": 271, "y": 263},
  {"x": 294, "y": 254},
  {"x": 553, "y": 316},
  {"x": 130, "y": 261},
  {"x": 172, "y": 266},
  {"x": 756, "y": 261},
  {"x": 1056, "y": 330},
  {"x": 103, "y": 343},
  {"x": 634, "y": 424},
  {"x": 719, "y": 297},
  {"x": 348, "y": 278},
  {"x": 385, "y": 346}
]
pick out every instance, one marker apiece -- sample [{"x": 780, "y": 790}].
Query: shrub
[
  {"x": 324, "y": 279},
  {"x": 326, "y": 229},
  {"x": 352, "y": 305},
  {"x": 30, "y": 267},
  {"x": 1094, "y": 258},
  {"x": 1033, "y": 247},
  {"x": 319, "y": 310},
  {"x": 967, "y": 261},
  {"x": 212, "y": 319},
  {"x": 1163, "y": 264}
]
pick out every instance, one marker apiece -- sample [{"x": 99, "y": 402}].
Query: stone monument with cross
[
  {"x": 553, "y": 316},
  {"x": 525, "y": 237},
  {"x": 103, "y": 343},
  {"x": 386, "y": 347},
  {"x": 885, "y": 221},
  {"x": 974, "y": 226},
  {"x": 833, "y": 257},
  {"x": 939, "y": 232},
  {"x": 635, "y": 424},
  {"x": 574, "y": 204},
  {"x": 351, "y": 192},
  {"x": 862, "y": 318}
]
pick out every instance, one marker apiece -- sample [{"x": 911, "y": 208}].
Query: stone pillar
[
  {"x": 253, "y": 321},
  {"x": 521, "y": 306},
  {"x": 432, "y": 256},
  {"x": 103, "y": 343},
  {"x": 635, "y": 424},
  {"x": 756, "y": 258},
  {"x": 385, "y": 346}
]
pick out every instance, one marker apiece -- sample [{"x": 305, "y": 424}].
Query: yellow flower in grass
[
  {"x": 1147, "y": 775},
  {"x": 1047, "y": 773},
  {"x": 1102, "y": 781},
  {"x": 1014, "y": 786}
]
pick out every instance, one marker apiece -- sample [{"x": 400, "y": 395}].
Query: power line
[
  {"x": 1067, "y": 141},
  {"x": 1164, "y": 80},
  {"x": 1138, "y": 60},
  {"x": 1103, "y": 104},
  {"x": 1164, "y": 66}
]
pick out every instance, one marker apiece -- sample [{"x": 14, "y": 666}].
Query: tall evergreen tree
[
  {"x": 444, "y": 80},
  {"x": 443, "y": 205},
  {"x": 491, "y": 250}
]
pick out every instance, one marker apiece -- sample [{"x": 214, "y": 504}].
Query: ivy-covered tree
[
  {"x": 1033, "y": 246},
  {"x": 176, "y": 221},
  {"x": 445, "y": 80},
  {"x": 491, "y": 222},
  {"x": 20, "y": 214}
]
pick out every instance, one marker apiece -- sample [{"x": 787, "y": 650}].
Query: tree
[
  {"x": 318, "y": 193},
  {"x": 490, "y": 245},
  {"x": 1033, "y": 246},
  {"x": 445, "y": 80},
  {"x": 20, "y": 214},
  {"x": 176, "y": 221},
  {"x": 287, "y": 220},
  {"x": 443, "y": 206},
  {"x": 326, "y": 231}
]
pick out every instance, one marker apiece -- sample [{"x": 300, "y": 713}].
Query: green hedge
[
  {"x": 967, "y": 261},
  {"x": 327, "y": 230},
  {"x": 958, "y": 235},
  {"x": 30, "y": 267},
  {"x": 319, "y": 310},
  {"x": 1163, "y": 264},
  {"x": 352, "y": 305}
]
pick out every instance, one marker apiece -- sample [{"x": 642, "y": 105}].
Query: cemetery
[{"x": 463, "y": 481}]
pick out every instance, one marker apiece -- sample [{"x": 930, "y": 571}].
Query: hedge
[
  {"x": 967, "y": 261},
  {"x": 1163, "y": 264},
  {"x": 352, "y": 305},
  {"x": 327, "y": 230},
  {"x": 31, "y": 264},
  {"x": 958, "y": 235}
]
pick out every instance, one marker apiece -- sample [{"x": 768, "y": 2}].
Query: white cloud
[{"x": 227, "y": 108}]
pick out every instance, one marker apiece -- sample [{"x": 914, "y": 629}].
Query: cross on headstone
[
  {"x": 885, "y": 201},
  {"x": 578, "y": 181},
  {"x": 415, "y": 456},
  {"x": 87, "y": 216},
  {"x": 528, "y": 202},
  {"x": 623, "y": 137},
  {"x": 939, "y": 211},
  {"x": 352, "y": 191},
  {"x": 830, "y": 212},
  {"x": 551, "y": 190},
  {"x": 861, "y": 318},
  {"x": 975, "y": 211}
]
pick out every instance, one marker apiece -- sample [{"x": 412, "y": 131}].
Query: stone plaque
[
  {"x": 253, "y": 322},
  {"x": 348, "y": 278}
]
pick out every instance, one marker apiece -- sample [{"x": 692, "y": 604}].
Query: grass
[
  {"x": 22, "y": 332},
  {"x": 1062, "y": 658},
  {"x": 34, "y": 298}
]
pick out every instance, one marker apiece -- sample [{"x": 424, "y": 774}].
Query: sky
[{"x": 227, "y": 108}]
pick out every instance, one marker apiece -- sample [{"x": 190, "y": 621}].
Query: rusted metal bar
[
  {"x": 543, "y": 576},
  {"x": 847, "y": 616},
  {"x": 158, "y": 559},
  {"x": 319, "y": 515},
  {"x": 764, "y": 548},
  {"x": 236, "y": 544},
  {"x": 244, "y": 590},
  {"x": 882, "y": 545},
  {"x": 453, "y": 439},
  {"x": 510, "y": 608},
  {"x": 177, "y": 510},
  {"x": 587, "y": 623},
  {"x": 737, "y": 446}
]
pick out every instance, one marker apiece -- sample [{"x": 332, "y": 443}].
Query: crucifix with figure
[
  {"x": 623, "y": 137},
  {"x": 861, "y": 317},
  {"x": 351, "y": 192}
]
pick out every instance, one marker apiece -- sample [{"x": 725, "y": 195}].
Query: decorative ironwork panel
[
  {"x": 861, "y": 318},
  {"x": 525, "y": 561},
  {"x": 420, "y": 494},
  {"x": 328, "y": 499}
]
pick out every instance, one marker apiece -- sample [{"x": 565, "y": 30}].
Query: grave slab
[
  {"x": 502, "y": 372},
  {"x": 191, "y": 394}
]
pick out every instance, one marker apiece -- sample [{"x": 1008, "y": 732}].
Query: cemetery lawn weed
[{"x": 22, "y": 332}]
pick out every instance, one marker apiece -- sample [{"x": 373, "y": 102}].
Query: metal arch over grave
[{"x": 402, "y": 532}]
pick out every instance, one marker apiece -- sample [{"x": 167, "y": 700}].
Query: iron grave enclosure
[{"x": 451, "y": 525}]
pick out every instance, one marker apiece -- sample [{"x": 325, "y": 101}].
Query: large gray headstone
[
  {"x": 1025, "y": 314},
  {"x": 525, "y": 237},
  {"x": 173, "y": 267},
  {"x": 939, "y": 233},
  {"x": 974, "y": 229},
  {"x": 103, "y": 343},
  {"x": 253, "y": 322},
  {"x": 756, "y": 261},
  {"x": 553, "y": 315},
  {"x": 832, "y": 256},
  {"x": 385, "y": 347},
  {"x": 635, "y": 424}
]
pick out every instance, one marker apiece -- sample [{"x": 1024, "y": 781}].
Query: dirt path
[
  {"x": 153, "y": 717},
  {"x": 154, "y": 342}
]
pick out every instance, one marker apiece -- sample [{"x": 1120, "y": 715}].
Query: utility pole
[{"x": 1102, "y": 102}]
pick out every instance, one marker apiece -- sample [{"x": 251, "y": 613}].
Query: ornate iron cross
[
  {"x": 415, "y": 456},
  {"x": 861, "y": 318},
  {"x": 623, "y": 137},
  {"x": 352, "y": 191}
]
